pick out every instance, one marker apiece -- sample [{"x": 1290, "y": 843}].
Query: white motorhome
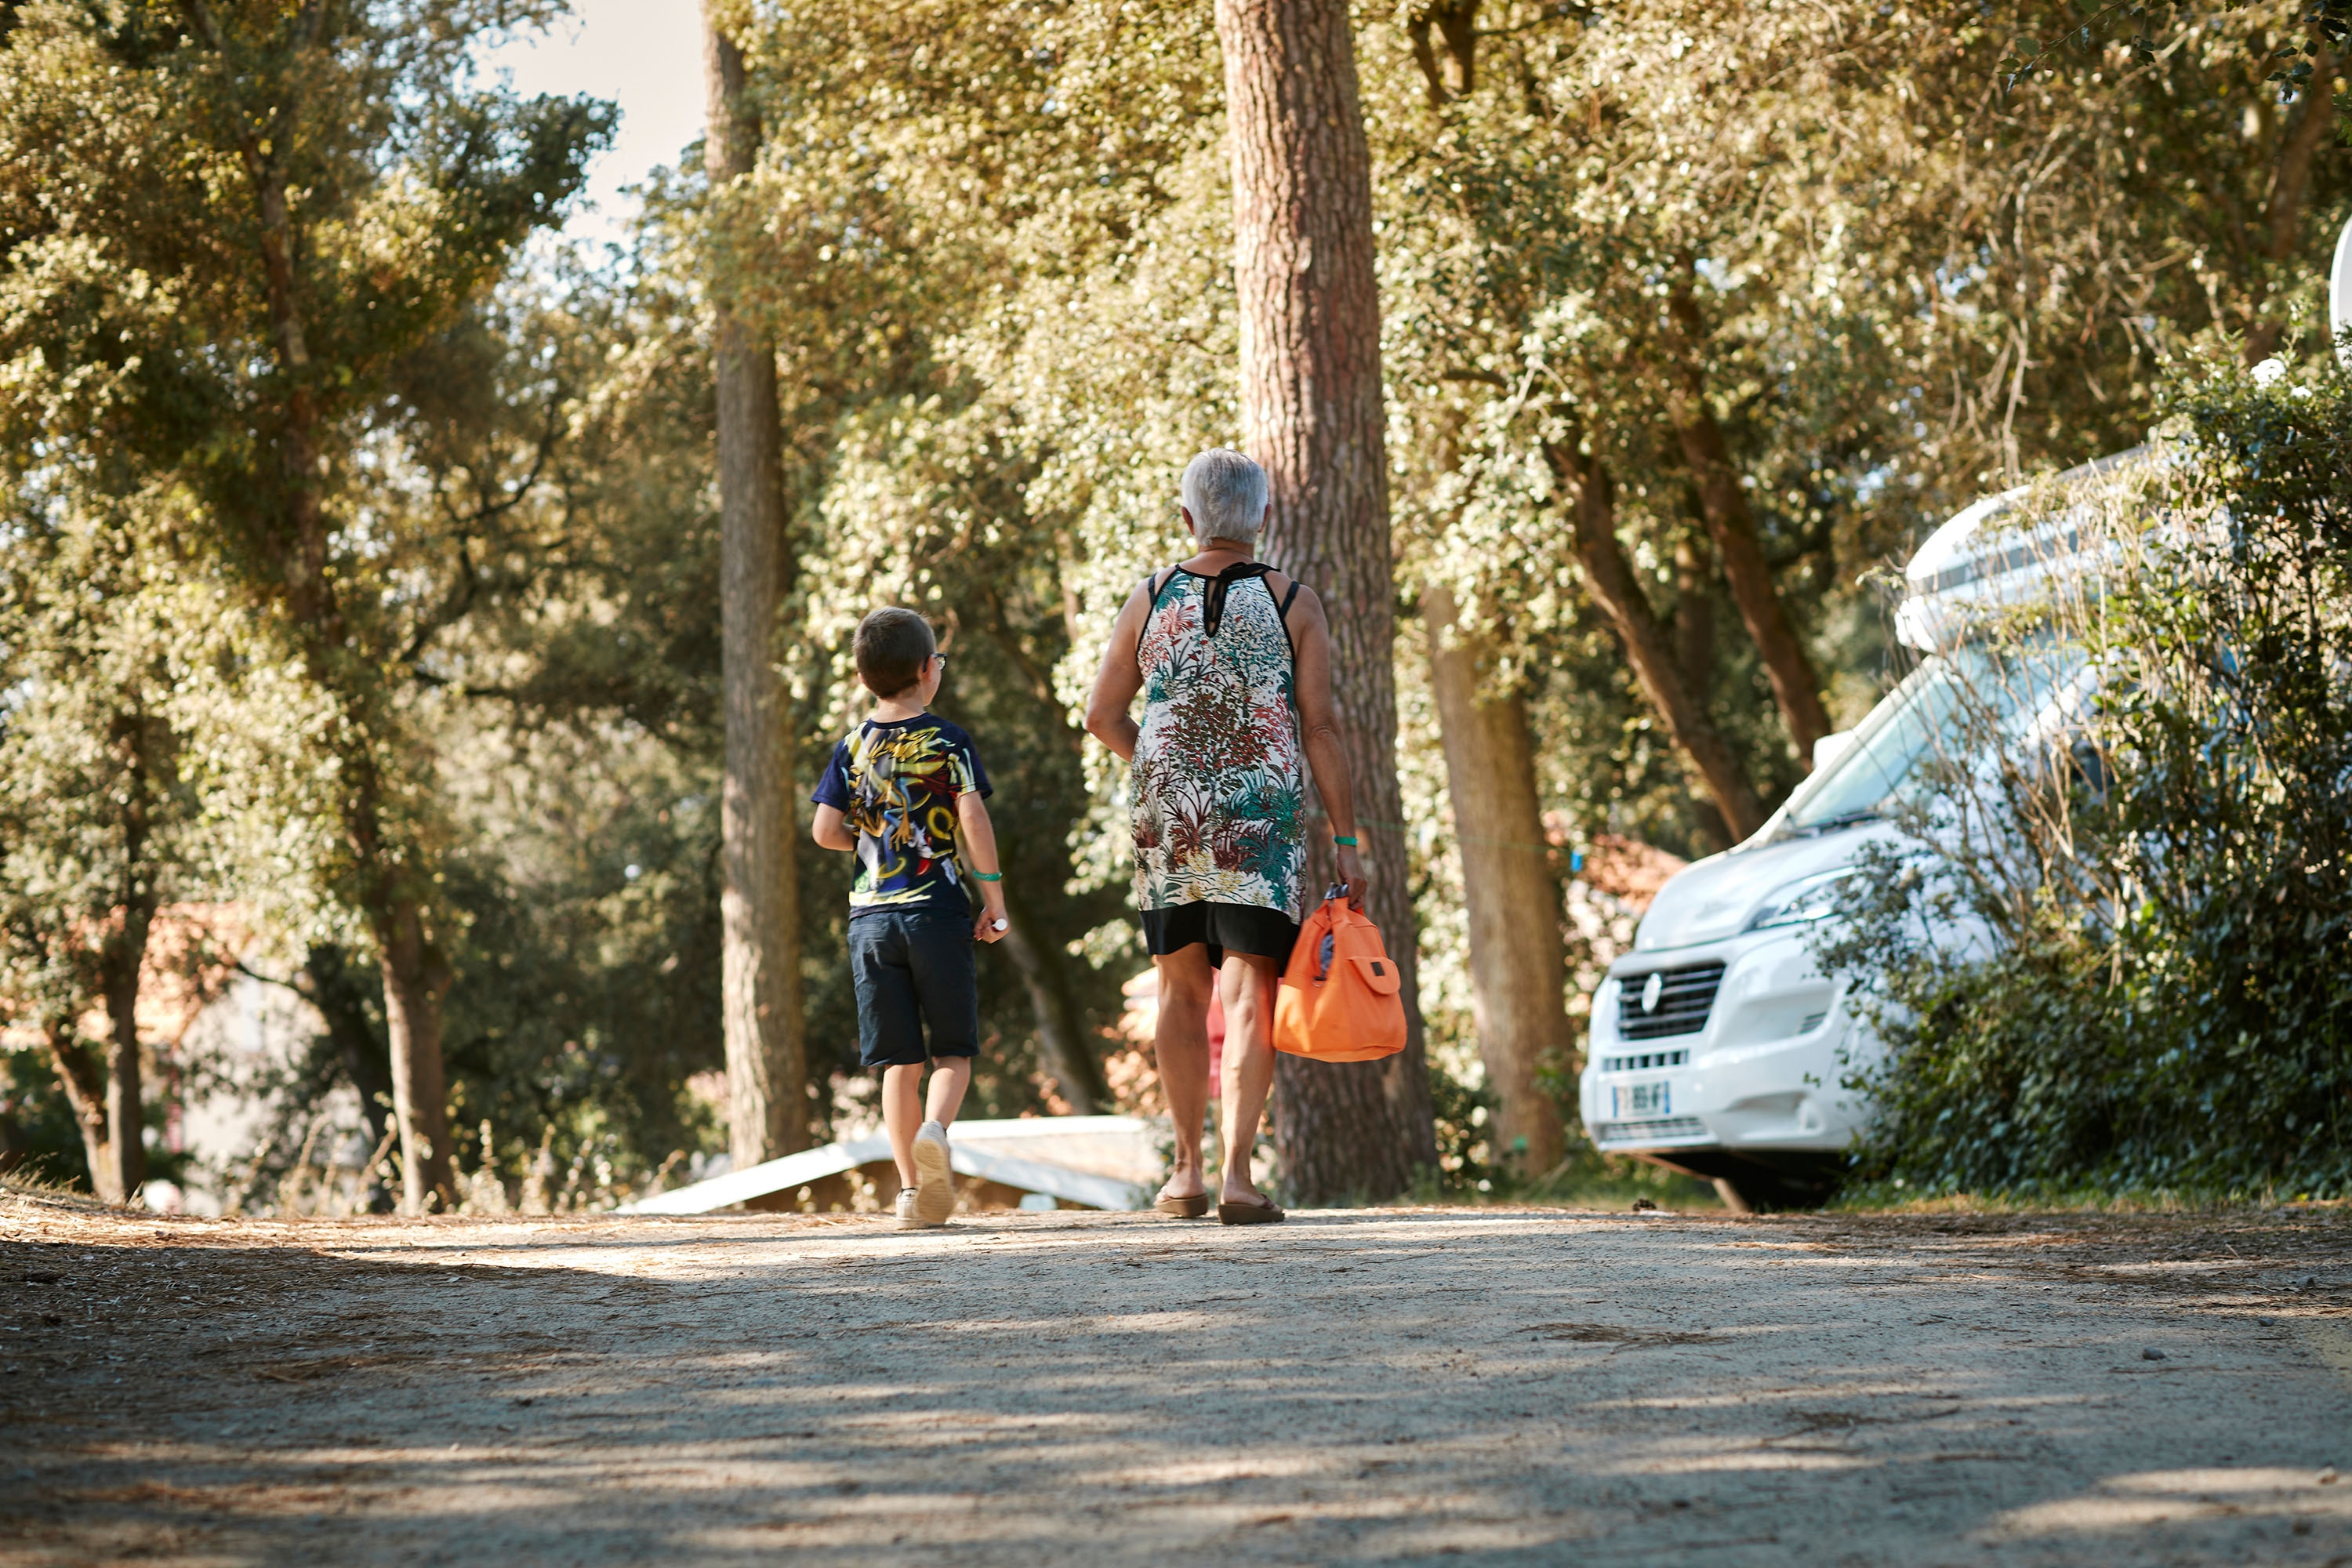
[{"x": 1717, "y": 1047}]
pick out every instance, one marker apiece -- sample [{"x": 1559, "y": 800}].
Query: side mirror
[{"x": 1830, "y": 748}]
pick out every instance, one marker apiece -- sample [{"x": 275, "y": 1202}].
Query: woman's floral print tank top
[{"x": 1217, "y": 789}]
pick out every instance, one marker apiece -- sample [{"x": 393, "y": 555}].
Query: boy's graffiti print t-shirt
[{"x": 896, "y": 784}]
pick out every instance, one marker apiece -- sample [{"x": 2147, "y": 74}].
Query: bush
[{"x": 2163, "y": 999}]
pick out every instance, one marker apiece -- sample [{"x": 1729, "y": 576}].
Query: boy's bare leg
[
  {"x": 904, "y": 1110},
  {"x": 1247, "y": 986},
  {"x": 902, "y": 1115},
  {"x": 1180, "y": 1043},
  {"x": 950, "y": 1075}
]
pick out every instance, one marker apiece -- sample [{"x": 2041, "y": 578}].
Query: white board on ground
[{"x": 1101, "y": 1162}]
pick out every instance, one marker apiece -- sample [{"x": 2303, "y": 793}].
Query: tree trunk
[
  {"x": 1619, "y": 593},
  {"x": 80, "y": 1077},
  {"x": 1796, "y": 685},
  {"x": 119, "y": 959},
  {"x": 1694, "y": 615},
  {"x": 414, "y": 976},
  {"x": 767, "y": 1078},
  {"x": 125, "y": 1103},
  {"x": 2290, "y": 185},
  {"x": 1061, "y": 1040},
  {"x": 1311, "y": 413},
  {"x": 1518, "y": 967},
  {"x": 329, "y": 983},
  {"x": 1457, "y": 22}
]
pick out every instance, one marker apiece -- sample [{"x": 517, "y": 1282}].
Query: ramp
[{"x": 1101, "y": 1161}]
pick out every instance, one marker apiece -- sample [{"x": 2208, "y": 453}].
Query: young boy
[{"x": 903, "y": 794}]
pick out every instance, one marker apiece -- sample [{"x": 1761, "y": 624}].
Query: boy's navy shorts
[{"x": 913, "y": 967}]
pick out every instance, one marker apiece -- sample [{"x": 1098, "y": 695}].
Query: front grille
[
  {"x": 1664, "y": 1129},
  {"x": 1645, "y": 1060},
  {"x": 1684, "y": 998}
]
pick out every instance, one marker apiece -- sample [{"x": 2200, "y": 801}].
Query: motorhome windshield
[{"x": 1930, "y": 716}]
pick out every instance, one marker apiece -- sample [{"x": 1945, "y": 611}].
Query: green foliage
[
  {"x": 103, "y": 673},
  {"x": 586, "y": 991},
  {"x": 39, "y": 1139},
  {"x": 2165, "y": 885},
  {"x": 250, "y": 251},
  {"x": 993, "y": 246},
  {"x": 314, "y": 381}
]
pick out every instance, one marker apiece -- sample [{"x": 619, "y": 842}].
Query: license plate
[{"x": 1642, "y": 1101}]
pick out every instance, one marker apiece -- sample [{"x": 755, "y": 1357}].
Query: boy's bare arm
[
  {"x": 978, "y": 836},
  {"x": 831, "y": 829}
]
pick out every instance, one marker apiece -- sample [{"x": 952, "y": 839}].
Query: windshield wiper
[{"x": 1831, "y": 825}]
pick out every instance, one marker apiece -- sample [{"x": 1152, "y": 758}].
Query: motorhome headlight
[{"x": 1807, "y": 899}]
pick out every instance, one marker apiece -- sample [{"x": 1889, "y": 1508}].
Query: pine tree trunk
[
  {"x": 1518, "y": 967},
  {"x": 1311, "y": 413},
  {"x": 767, "y": 1082}
]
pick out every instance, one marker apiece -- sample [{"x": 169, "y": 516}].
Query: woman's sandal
[
  {"x": 1249, "y": 1213},
  {"x": 1192, "y": 1207}
]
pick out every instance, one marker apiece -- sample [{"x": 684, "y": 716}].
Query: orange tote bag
[{"x": 1339, "y": 1000}]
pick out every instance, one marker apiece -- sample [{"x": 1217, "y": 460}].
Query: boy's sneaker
[
  {"x": 934, "y": 1183},
  {"x": 906, "y": 1220}
]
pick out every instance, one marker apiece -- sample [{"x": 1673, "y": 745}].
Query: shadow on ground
[{"x": 1373, "y": 1386}]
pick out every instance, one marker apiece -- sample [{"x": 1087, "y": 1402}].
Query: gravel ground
[{"x": 1480, "y": 1385}]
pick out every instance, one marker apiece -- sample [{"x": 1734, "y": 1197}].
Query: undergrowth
[{"x": 2158, "y": 1008}]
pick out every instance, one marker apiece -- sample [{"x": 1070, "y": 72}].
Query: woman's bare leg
[
  {"x": 1180, "y": 1043},
  {"x": 1246, "y": 984}
]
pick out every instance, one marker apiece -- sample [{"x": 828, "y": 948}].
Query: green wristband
[
  {"x": 988, "y": 876},
  {"x": 1346, "y": 841}
]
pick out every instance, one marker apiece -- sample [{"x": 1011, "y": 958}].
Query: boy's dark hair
[{"x": 892, "y": 647}]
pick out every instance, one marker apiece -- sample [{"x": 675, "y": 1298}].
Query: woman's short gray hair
[{"x": 1226, "y": 493}]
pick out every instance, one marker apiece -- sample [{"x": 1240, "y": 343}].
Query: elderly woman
[{"x": 1233, "y": 660}]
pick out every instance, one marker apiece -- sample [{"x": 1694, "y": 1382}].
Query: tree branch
[
  {"x": 1619, "y": 593},
  {"x": 1796, "y": 686},
  {"x": 2290, "y": 184}
]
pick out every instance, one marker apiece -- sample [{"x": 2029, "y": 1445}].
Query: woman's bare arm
[
  {"x": 1319, "y": 733},
  {"x": 1120, "y": 678}
]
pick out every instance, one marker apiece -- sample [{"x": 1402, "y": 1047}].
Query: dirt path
[{"x": 1383, "y": 1385}]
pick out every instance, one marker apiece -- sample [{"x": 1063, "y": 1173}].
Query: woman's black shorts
[{"x": 1223, "y": 929}]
